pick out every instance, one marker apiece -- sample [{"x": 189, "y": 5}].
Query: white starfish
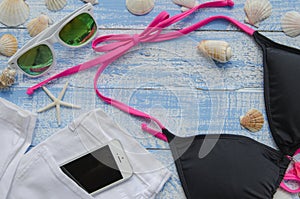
[{"x": 57, "y": 102}]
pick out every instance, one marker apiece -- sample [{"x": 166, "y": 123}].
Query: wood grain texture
[
  {"x": 112, "y": 14},
  {"x": 188, "y": 92}
]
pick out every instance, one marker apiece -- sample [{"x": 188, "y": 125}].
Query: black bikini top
[
  {"x": 235, "y": 166},
  {"x": 281, "y": 90}
]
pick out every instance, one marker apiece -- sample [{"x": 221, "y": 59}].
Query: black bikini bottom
[{"x": 237, "y": 167}]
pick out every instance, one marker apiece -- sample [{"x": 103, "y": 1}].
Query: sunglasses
[{"x": 37, "y": 56}]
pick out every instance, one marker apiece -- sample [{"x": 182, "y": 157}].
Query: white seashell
[
  {"x": 55, "y": 5},
  {"x": 217, "y": 50},
  {"x": 13, "y": 12},
  {"x": 93, "y": 2},
  {"x": 183, "y": 8},
  {"x": 256, "y": 11},
  {"x": 185, "y": 3},
  {"x": 38, "y": 24},
  {"x": 253, "y": 120},
  {"x": 8, "y": 45},
  {"x": 139, "y": 7},
  {"x": 290, "y": 23},
  {"x": 7, "y": 78}
]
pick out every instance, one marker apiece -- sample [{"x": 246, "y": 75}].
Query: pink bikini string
[
  {"x": 292, "y": 174},
  {"x": 121, "y": 43}
]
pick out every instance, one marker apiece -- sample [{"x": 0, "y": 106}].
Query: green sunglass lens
[
  {"x": 79, "y": 30},
  {"x": 36, "y": 60}
]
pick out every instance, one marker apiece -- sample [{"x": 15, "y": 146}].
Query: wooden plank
[{"x": 112, "y": 14}]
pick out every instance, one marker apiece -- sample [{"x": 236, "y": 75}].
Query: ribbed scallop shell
[
  {"x": 290, "y": 23},
  {"x": 139, "y": 7},
  {"x": 7, "y": 78},
  {"x": 55, "y": 5},
  {"x": 217, "y": 50},
  {"x": 38, "y": 24},
  {"x": 256, "y": 11},
  {"x": 8, "y": 45},
  {"x": 253, "y": 120},
  {"x": 13, "y": 12},
  {"x": 91, "y": 1}
]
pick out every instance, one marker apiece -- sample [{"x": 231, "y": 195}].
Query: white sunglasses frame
[{"x": 50, "y": 36}]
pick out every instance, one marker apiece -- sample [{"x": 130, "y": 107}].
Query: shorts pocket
[{"x": 39, "y": 176}]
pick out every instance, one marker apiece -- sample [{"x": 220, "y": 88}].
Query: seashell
[
  {"x": 8, "y": 45},
  {"x": 256, "y": 11},
  {"x": 38, "y": 24},
  {"x": 183, "y": 8},
  {"x": 55, "y": 5},
  {"x": 13, "y": 12},
  {"x": 139, "y": 7},
  {"x": 185, "y": 3},
  {"x": 253, "y": 120},
  {"x": 217, "y": 50},
  {"x": 7, "y": 78},
  {"x": 93, "y": 2},
  {"x": 290, "y": 23}
]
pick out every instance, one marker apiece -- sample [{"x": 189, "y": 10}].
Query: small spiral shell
[
  {"x": 7, "y": 78},
  {"x": 217, "y": 50}
]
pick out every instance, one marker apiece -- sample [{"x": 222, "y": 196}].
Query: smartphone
[{"x": 99, "y": 169}]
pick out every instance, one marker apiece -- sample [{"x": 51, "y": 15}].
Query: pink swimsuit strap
[
  {"x": 121, "y": 43},
  {"x": 292, "y": 174}
]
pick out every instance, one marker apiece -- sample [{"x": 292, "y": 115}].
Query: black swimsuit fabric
[
  {"x": 237, "y": 167},
  {"x": 282, "y": 92}
]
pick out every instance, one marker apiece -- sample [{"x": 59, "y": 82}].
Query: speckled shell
[
  {"x": 13, "y": 12},
  {"x": 38, "y": 24},
  {"x": 91, "y": 1},
  {"x": 253, "y": 120},
  {"x": 290, "y": 23},
  {"x": 55, "y": 5},
  {"x": 8, "y": 45},
  {"x": 139, "y": 7},
  {"x": 256, "y": 11},
  {"x": 7, "y": 78},
  {"x": 217, "y": 50}
]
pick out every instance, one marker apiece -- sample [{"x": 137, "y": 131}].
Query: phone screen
[{"x": 94, "y": 170}]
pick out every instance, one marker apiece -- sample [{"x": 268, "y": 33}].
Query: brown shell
[{"x": 253, "y": 120}]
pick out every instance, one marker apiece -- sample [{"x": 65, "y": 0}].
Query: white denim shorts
[
  {"x": 16, "y": 129},
  {"x": 39, "y": 175}
]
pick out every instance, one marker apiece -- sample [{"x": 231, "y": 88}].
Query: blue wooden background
[{"x": 189, "y": 93}]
